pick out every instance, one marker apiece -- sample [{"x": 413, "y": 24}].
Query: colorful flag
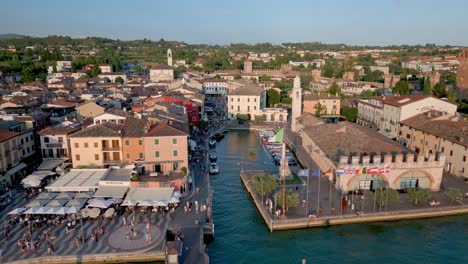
[
  {"x": 304, "y": 172},
  {"x": 329, "y": 172},
  {"x": 384, "y": 170},
  {"x": 315, "y": 173},
  {"x": 350, "y": 171},
  {"x": 373, "y": 170},
  {"x": 279, "y": 136},
  {"x": 361, "y": 170},
  {"x": 339, "y": 171}
]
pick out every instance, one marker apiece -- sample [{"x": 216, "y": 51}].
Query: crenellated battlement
[{"x": 394, "y": 160}]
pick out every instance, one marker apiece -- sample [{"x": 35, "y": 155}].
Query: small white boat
[
  {"x": 212, "y": 143},
  {"x": 214, "y": 169}
]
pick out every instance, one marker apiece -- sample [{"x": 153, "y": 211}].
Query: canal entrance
[{"x": 242, "y": 237}]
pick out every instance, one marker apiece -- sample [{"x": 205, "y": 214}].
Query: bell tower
[
  {"x": 169, "y": 57},
  {"x": 296, "y": 106}
]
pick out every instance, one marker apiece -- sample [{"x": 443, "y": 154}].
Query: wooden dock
[{"x": 304, "y": 222}]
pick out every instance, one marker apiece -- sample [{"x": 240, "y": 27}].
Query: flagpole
[
  {"x": 307, "y": 195},
  {"x": 329, "y": 195},
  {"x": 318, "y": 193}
]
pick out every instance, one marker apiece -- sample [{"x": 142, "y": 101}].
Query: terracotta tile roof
[
  {"x": 165, "y": 129},
  {"x": 7, "y": 134},
  {"x": 352, "y": 139},
  {"x": 453, "y": 129},
  {"x": 56, "y": 130},
  {"x": 402, "y": 100},
  {"x": 249, "y": 89},
  {"x": 161, "y": 67},
  {"x": 101, "y": 130}
]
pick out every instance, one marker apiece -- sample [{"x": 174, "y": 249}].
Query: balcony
[{"x": 108, "y": 148}]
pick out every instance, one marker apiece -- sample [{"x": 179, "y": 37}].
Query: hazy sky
[{"x": 373, "y": 22}]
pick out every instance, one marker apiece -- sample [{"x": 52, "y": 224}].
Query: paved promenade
[{"x": 113, "y": 240}]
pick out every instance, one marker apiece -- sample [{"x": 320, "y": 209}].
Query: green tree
[
  {"x": 401, "y": 88},
  {"x": 237, "y": 77},
  {"x": 385, "y": 195},
  {"x": 202, "y": 124},
  {"x": 292, "y": 199},
  {"x": 242, "y": 117},
  {"x": 286, "y": 100},
  {"x": 27, "y": 75},
  {"x": 273, "y": 97},
  {"x": 119, "y": 80},
  {"x": 335, "y": 89},
  {"x": 320, "y": 109},
  {"x": 452, "y": 97},
  {"x": 439, "y": 90},
  {"x": 373, "y": 76},
  {"x": 95, "y": 71},
  {"x": 427, "y": 86},
  {"x": 54, "y": 68},
  {"x": 368, "y": 93},
  {"x": 419, "y": 195},
  {"x": 264, "y": 184},
  {"x": 264, "y": 78},
  {"x": 350, "y": 113}
]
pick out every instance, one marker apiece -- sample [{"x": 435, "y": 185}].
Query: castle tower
[
  {"x": 296, "y": 107},
  {"x": 248, "y": 66},
  {"x": 169, "y": 57},
  {"x": 462, "y": 73}
]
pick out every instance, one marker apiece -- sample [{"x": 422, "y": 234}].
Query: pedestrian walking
[{"x": 124, "y": 221}]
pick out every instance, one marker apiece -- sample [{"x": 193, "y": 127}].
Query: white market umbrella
[
  {"x": 65, "y": 196},
  {"x": 145, "y": 203},
  {"x": 50, "y": 210},
  {"x": 99, "y": 203},
  {"x": 72, "y": 209},
  {"x": 94, "y": 213},
  {"x": 174, "y": 200},
  {"x": 84, "y": 213},
  {"x": 31, "y": 183},
  {"x": 62, "y": 210},
  {"x": 37, "y": 203},
  {"x": 84, "y": 195},
  {"x": 46, "y": 196},
  {"x": 161, "y": 203},
  {"x": 77, "y": 202},
  {"x": 115, "y": 200},
  {"x": 41, "y": 210},
  {"x": 57, "y": 203},
  {"x": 17, "y": 211},
  {"x": 109, "y": 213},
  {"x": 32, "y": 210},
  {"x": 176, "y": 194}
]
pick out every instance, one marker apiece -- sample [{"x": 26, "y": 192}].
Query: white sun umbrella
[
  {"x": 145, "y": 203},
  {"x": 76, "y": 202},
  {"x": 50, "y": 210},
  {"x": 37, "y": 203},
  {"x": 46, "y": 196},
  {"x": 84, "y": 195},
  {"x": 115, "y": 200},
  {"x": 94, "y": 213},
  {"x": 99, "y": 203},
  {"x": 31, "y": 182},
  {"x": 109, "y": 213},
  {"x": 174, "y": 200},
  {"x": 176, "y": 194},
  {"x": 84, "y": 213},
  {"x": 62, "y": 210},
  {"x": 161, "y": 203},
  {"x": 32, "y": 210},
  {"x": 72, "y": 209},
  {"x": 41, "y": 210},
  {"x": 65, "y": 196},
  {"x": 56, "y": 203},
  {"x": 17, "y": 211}
]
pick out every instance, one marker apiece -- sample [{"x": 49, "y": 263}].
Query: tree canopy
[
  {"x": 350, "y": 113},
  {"x": 401, "y": 88},
  {"x": 292, "y": 199},
  {"x": 273, "y": 97},
  {"x": 427, "y": 86},
  {"x": 264, "y": 184}
]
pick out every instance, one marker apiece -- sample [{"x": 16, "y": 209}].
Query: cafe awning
[
  {"x": 148, "y": 195},
  {"x": 16, "y": 168},
  {"x": 105, "y": 191}
]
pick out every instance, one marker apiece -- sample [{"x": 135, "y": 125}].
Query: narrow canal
[{"x": 242, "y": 237}]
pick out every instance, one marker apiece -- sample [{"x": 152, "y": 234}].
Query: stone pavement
[{"x": 66, "y": 244}]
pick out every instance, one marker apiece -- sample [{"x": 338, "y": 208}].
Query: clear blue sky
[{"x": 372, "y": 22}]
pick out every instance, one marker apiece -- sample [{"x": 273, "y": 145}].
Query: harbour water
[{"x": 242, "y": 237}]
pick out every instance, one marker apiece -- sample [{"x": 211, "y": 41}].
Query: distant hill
[{"x": 12, "y": 36}]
